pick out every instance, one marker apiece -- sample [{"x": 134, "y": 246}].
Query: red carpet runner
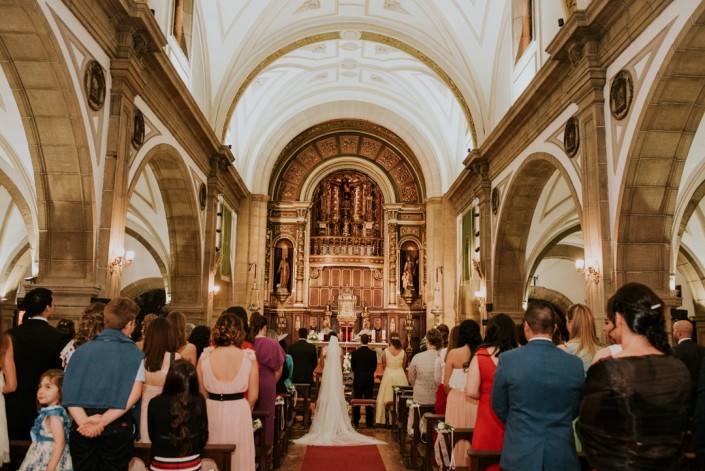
[{"x": 342, "y": 458}]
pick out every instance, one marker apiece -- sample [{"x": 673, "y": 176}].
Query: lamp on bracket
[
  {"x": 589, "y": 269},
  {"x": 437, "y": 308},
  {"x": 122, "y": 259},
  {"x": 254, "y": 292}
]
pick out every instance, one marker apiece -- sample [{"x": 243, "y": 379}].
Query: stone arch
[
  {"x": 35, "y": 68},
  {"x": 673, "y": 111},
  {"x": 163, "y": 268},
  {"x": 182, "y": 216},
  {"x": 510, "y": 271},
  {"x": 554, "y": 249},
  {"x": 141, "y": 286},
  {"x": 559, "y": 300},
  {"x": 691, "y": 268},
  {"x": 369, "y": 147}
]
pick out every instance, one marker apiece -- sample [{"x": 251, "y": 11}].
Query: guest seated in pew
[{"x": 177, "y": 421}]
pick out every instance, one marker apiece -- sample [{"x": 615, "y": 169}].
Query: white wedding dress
[{"x": 331, "y": 424}]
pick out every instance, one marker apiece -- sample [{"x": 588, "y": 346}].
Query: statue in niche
[
  {"x": 284, "y": 272},
  {"x": 407, "y": 276}
]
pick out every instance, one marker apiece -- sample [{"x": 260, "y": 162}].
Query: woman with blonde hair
[
  {"x": 186, "y": 349},
  {"x": 583, "y": 341},
  {"x": 90, "y": 325}
]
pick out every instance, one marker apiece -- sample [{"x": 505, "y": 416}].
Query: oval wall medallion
[
  {"x": 495, "y": 200},
  {"x": 94, "y": 85},
  {"x": 202, "y": 196},
  {"x": 571, "y": 138},
  {"x": 138, "y": 130},
  {"x": 621, "y": 94}
]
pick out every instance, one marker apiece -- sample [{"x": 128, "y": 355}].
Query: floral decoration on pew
[
  {"x": 442, "y": 426},
  {"x": 256, "y": 424},
  {"x": 410, "y": 403},
  {"x": 279, "y": 401}
]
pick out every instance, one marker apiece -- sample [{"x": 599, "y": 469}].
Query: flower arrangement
[
  {"x": 409, "y": 402},
  {"x": 256, "y": 424},
  {"x": 347, "y": 367},
  {"x": 442, "y": 426},
  {"x": 312, "y": 336}
]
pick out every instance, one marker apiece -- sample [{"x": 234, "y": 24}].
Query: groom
[{"x": 363, "y": 363}]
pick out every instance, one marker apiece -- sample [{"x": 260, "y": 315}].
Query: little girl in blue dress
[{"x": 50, "y": 434}]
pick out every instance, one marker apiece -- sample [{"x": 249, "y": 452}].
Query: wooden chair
[
  {"x": 303, "y": 402},
  {"x": 263, "y": 452},
  {"x": 425, "y": 450},
  {"x": 419, "y": 413},
  {"x": 364, "y": 403}
]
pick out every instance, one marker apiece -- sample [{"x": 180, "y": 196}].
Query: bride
[{"x": 331, "y": 423}]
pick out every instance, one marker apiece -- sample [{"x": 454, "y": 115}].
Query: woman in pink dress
[
  {"x": 225, "y": 373},
  {"x": 489, "y": 430},
  {"x": 461, "y": 410},
  {"x": 158, "y": 347}
]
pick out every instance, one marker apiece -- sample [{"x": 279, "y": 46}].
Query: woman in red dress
[{"x": 500, "y": 337}]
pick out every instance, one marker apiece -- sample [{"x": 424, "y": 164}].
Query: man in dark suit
[
  {"x": 688, "y": 351},
  {"x": 305, "y": 358},
  {"x": 363, "y": 363},
  {"x": 36, "y": 346},
  {"x": 536, "y": 393}
]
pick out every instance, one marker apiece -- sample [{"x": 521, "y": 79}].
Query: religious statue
[
  {"x": 407, "y": 276},
  {"x": 284, "y": 271}
]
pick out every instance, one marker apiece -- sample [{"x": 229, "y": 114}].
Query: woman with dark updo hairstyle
[
  {"x": 634, "y": 413},
  {"x": 226, "y": 372}
]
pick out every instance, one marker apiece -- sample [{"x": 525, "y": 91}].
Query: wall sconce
[
  {"x": 588, "y": 268},
  {"x": 437, "y": 308},
  {"x": 481, "y": 296},
  {"x": 214, "y": 289},
  {"x": 121, "y": 260},
  {"x": 254, "y": 292}
]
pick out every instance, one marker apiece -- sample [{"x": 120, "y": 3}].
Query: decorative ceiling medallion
[
  {"x": 350, "y": 34},
  {"x": 571, "y": 138},
  {"x": 621, "y": 94},
  {"x": 495, "y": 200},
  {"x": 94, "y": 85},
  {"x": 138, "y": 130}
]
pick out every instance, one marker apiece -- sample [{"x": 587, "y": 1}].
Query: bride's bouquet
[
  {"x": 312, "y": 336},
  {"x": 347, "y": 367}
]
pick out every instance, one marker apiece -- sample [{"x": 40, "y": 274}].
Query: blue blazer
[{"x": 536, "y": 393}]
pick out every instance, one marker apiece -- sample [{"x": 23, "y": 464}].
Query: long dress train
[{"x": 331, "y": 424}]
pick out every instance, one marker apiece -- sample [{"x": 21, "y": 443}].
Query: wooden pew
[
  {"x": 219, "y": 454},
  {"x": 396, "y": 409},
  {"x": 481, "y": 459},
  {"x": 263, "y": 453},
  {"x": 280, "y": 435},
  {"x": 458, "y": 435},
  {"x": 416, "y": 436},
  {"x": 402, "y": 419},
  {"x": 425, "y": 450}
]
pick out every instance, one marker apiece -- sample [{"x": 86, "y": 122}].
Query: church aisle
[{"x": 389, "y": 453}]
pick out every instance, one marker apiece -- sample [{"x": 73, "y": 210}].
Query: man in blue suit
[{"x": 536, "y": 393}]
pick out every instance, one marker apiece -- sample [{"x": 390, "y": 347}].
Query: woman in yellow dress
[{"x": 394, "y": 362}]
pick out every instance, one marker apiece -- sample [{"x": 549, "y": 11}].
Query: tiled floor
[{"x": 390, "y": 452}]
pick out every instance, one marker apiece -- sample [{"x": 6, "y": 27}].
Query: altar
[{"x": 350, "y": 346}]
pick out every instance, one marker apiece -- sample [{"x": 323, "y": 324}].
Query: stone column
[
  {"x": 302, "y": 218},
  {"x": 589, "y": 81},
  {"x": 127, "y": 82},
  {"x": 390, "y": 216}
]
